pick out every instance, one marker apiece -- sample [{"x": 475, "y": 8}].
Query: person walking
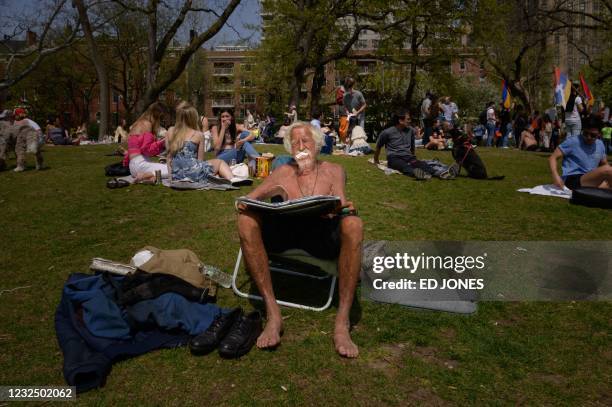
[
  {"x": 491, "y": 122},
  {"x": 354, "y": 104},
  {"x": 573, "y": 109}
]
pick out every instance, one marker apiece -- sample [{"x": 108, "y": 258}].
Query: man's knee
[
  {"x": 351, "y": 229},
  {"x": 248, "y": 225}
]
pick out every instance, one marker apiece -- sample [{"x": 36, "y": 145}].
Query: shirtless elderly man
[{"x": 329, "y": 237}]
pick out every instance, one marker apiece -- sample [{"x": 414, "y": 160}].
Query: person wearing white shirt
[
  {"x": 21, "y": 118},
  {"x": 491, "y": 121},
  {"x": 573, "y": 108}
]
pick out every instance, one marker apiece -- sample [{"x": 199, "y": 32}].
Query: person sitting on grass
[
  {"x": 528, "y": 140},
  {"x": 58, "y": 135},
  {"x": 142, "y": 144},
  {"x": 186, "y": 149},
  {"x": 325, "y": 237},
  {"x": 399, "y": 142},
  {"x": 584, "y": 162},
  {"x": 437, "y": 140},
  {"x": 230, "y": 144},
  {"x": 279, "y": 137}
]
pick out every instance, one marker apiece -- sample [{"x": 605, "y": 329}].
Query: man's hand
[
  {"x": 240, "y": 206},
  {"x": 347, "y": 209}
]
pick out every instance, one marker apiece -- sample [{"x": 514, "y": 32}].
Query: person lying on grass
[
  {"x": 584, "y": 162},
  {"x": 337, "y": 236}
]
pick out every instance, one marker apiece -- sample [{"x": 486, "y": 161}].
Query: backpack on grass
[{"x": 116, "y": 170}]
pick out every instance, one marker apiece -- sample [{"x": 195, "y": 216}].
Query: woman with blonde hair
[
  {"x": 186, "y": 149},
  {"x": 143, "y": 144}
]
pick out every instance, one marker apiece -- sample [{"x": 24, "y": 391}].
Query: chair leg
[
  {"x": 281, "y": 302},
  {"x": 235, "y": 277}
]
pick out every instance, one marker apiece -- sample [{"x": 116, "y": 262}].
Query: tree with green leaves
[
  {"x": 421, "y": 36},
  {"x": 307, "y": 35},
  {"x": 512, "y": 38},
  {"x": 165, "y": 20},
  {"x": 64, "y": 81},
  {"x": 55, "y": 29},
  {"x": 515, "y": 38}
]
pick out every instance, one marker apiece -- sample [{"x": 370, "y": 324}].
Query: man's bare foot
[
  {"x": 270, "y": 337},
  {"x": 342, "y": 340}
]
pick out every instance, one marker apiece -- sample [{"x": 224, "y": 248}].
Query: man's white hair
[{"x": 317, "y": 135}]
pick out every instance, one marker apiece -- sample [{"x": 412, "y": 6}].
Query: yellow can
[{"x": 263, "y": 167}]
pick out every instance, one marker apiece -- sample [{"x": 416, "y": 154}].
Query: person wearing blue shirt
[{"x": 584, "y": 159}]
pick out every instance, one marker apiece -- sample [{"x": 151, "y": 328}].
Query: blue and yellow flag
[
  {"x": 563, "y": 88},
  {"x": 506, "y": 97}
]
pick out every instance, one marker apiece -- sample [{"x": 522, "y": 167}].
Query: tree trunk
[
  {"x": 410, "y": 91},
  {"x": 518, "y": 91},
  {"x": 318, "y": 81},
  {"x": 414, "y": 49},
  {"x": 98, "y": 64},
  {"x": 296, "y": 85},
  {"x": 152, "y": 65}
]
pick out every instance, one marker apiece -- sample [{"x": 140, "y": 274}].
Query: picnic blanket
[
  {"x": 382, "y": 165},
  {"x": 548, "y": 190},
  {"x": 186, "y": 184}
]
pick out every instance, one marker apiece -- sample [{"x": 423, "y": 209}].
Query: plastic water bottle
[
  {"x": 212, "y": 272},
  {"x": 233, "y": 162}
]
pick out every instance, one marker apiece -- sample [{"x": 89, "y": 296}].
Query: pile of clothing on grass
[{"x": 165, "y": 300}]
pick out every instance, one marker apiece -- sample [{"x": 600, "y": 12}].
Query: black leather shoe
[
  {"x": 242, "y": 336},
  {"x": 208, "y": 340}
]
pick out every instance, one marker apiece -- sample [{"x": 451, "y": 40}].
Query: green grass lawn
[{"x": 55, "y": 221}]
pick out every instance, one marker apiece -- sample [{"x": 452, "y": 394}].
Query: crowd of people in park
[
  {"x": 54, "y": 131},
  {"x": 301, "y": 174},
  {"x": 583, "y": 155},
  {"x": 441, "y": 127},
  {"x": 505, "y": 126}
]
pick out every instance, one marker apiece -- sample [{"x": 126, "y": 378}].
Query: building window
[
  {"x": 223, "y": 100},
  {"x": 361, "y": 44},
  {"x": 246, "y": 83},
  {"x": 246, "y": 67},
  {"x": 375, "y": 44},
  {"x": 223, "y": 85},
  {"x": 247, "y": 99},
  {"x": 462, "y": 64},
  {"x": 364, "y": 68},
  {"x": 223, "y": 68}
]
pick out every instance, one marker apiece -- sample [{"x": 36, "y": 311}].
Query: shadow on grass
[{"x": 301, "y": 290}]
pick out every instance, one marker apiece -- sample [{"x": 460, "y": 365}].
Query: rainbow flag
[
  {"x": 506, "y": 97},
  {"x": 590, "y": 99},
  {"x": 562, "y": 88}
]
